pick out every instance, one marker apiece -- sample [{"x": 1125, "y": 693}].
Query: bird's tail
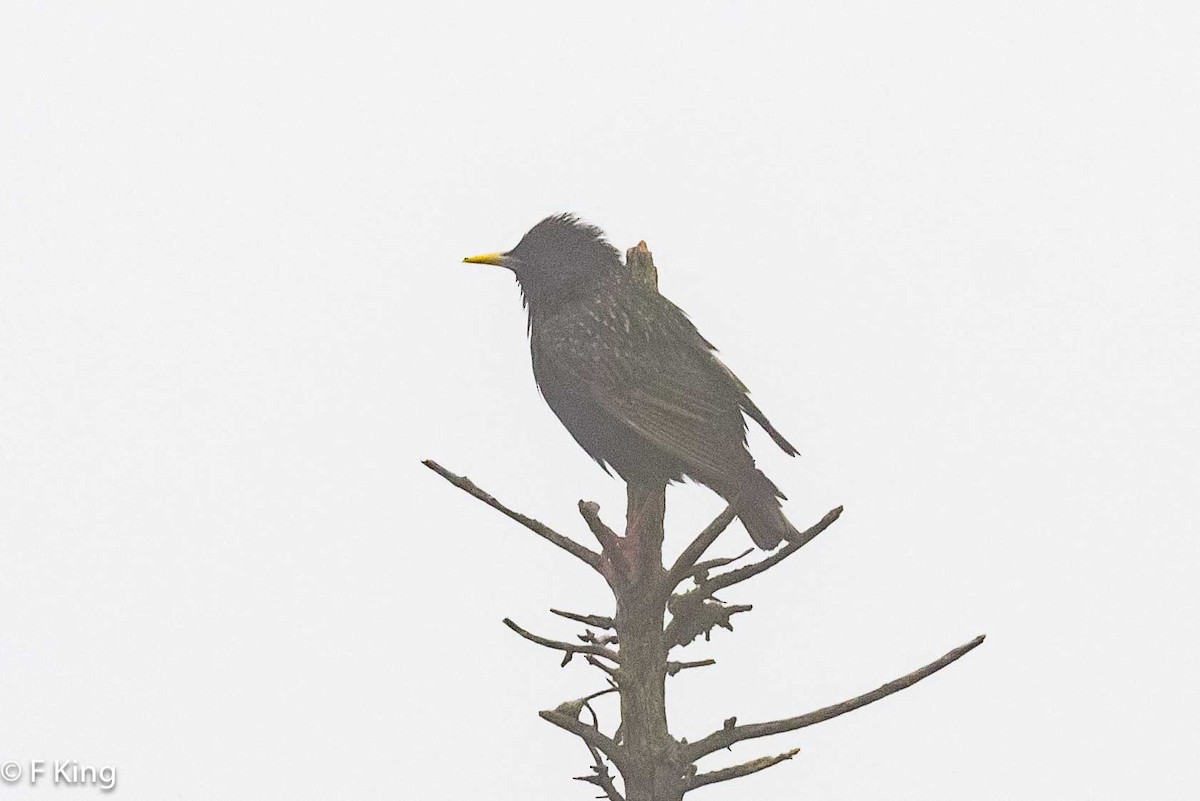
[{"x": 757, "y": 506}]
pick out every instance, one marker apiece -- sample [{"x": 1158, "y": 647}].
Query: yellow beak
[{"x": 495, "y": 259}]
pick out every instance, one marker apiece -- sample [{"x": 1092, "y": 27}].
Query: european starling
[{"x": 632, "y": 379}]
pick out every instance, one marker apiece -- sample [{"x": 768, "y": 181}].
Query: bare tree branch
[
  {"x": 613, "y": 674},
  {"x": 733, "y": 734},
  {"x": 599, "y": 621},
  {"x": 675, "y": 667},
  {"x": 589, "y": 734},
  {"x": 681, "y": 569},
  {"x": 601, "y": 778},
  {"x": 569, "y": 647},
  {"x": 576, "y": 705},
  {"x": 590, "y": 512},
  {"x": 585, "y": 555},
  {"x": 717, "y": 583},
  {"x": 700, "y": 571},
  {"x": 738, "y": 771}
]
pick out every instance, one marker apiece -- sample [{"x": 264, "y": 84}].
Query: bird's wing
[
  {"x": 743, "y": 392},
  {"x": 755, "y": 413},
  {"x": 675, "y": 407},
  {"x": 665, "y": 385}
]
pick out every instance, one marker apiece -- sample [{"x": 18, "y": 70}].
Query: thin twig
[
  {"x": 570, "y": 647},
  {"x": 681, "y": 569},
  {"x": 718, "y": 583},
  {"x": 596, "y": 663},
  {"x": 585, "y": 555},
  {"x": 576, "y": 705},
  {"x": 587, "y": 699},
  {"x": 701, "y": 568},
  {"x": 733, "y": 734},
  {"x": 738, "y": 771}
]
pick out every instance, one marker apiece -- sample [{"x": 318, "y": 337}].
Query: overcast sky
[{"x": 953, "y": 249}]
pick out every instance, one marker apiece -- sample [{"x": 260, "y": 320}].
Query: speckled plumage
[{"x": 632, "y": 379}]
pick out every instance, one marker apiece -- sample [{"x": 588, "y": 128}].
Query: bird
[{"x": 632, "y": 379}]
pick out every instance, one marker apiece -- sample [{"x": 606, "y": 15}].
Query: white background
[{"x": 952, "y": 247}]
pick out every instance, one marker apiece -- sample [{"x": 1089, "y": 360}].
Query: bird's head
[{"x": 558, "y": 258}]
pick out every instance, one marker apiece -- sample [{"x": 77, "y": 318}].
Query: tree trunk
[{"x": 654, "y": 771}]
